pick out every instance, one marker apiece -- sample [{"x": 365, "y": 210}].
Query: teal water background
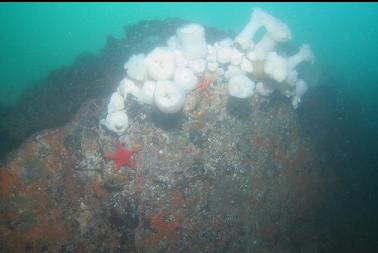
[{"x": 39, "y": 37}]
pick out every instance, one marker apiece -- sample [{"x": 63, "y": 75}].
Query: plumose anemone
[{"x": 167, "y": 75}]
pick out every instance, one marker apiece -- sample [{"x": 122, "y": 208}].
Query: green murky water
[{"x": 39, "y": 37}]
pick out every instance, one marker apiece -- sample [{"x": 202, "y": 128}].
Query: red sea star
[
  {"x": 204, "y": 86},
  {"x": 122, "y": 157}
]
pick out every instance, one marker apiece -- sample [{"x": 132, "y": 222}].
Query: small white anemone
[
  {"x": 116, "y": 103},
  {"x": 195, "y": 52},
  {"x": 258, "y": 54},
  {"x": 168, "y": 97},
  {"x": 251, "y": 55},
  {"x": 211, "y": 54},
  {"x": 301, "y": 88},
  {"x": 292, "y": 77},
  {"x": 236, "y": 56},
  {"x": 127, "y": 87},
  {"x": 190, "y": 34},
  {"x": 276, "y": 29},
  {"x": 198, "y": 66},
  {"x": 220, "y": 71},
  {"x": 246, "y": 66},
  {"x": 212, "y": 66},
  {"x": 180, "y": 59},
  {"x": 136, "y": 67},
  {"x": 264, "y": 89},
  {"x": 304, "y": 54},
  {"x": 223, "y": 50},
  {"x": 277, "y": 32},
  {"x": 147, "y": 93},
  {"x": 232, "y": 71},
  {"x": 160, "y": 63},
  {"x": 192, "y": 41},
  {"x": 244, "y": 39},
  {"x": 241, "y": 86},
  {"x": 185, "y": 78},
  {"x": 276, "y": 67},
  {"x": 173, "y": 43},
  {"x": 116, "y": 122}
]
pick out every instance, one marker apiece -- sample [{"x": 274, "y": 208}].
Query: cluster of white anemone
[{"x": 165, "y": 75}]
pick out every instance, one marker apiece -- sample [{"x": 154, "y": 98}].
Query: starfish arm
[
  {"x": 204, "y": 85},
  {"x": 118, "y": 165},
  {"x": 109, "y": 156},
  {"x": 120, "y": 146},
  {"x": 133, "y": 151},
  {"x": 207, "y": 93},
  {"x": 131, "y": 164},
  {"x": 201, "y": 86}
]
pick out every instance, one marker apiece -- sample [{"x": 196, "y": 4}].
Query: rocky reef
[
  {"x": 208, "y": 180},
  {"x": 226, "y": 173},
  {"x": 223, "y": 174}
]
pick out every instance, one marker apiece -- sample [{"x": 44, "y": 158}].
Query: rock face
[{"x": 210, "y": 179}]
